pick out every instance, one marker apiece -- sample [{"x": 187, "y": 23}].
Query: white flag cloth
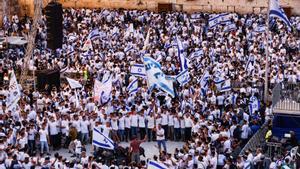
[
  {"x": 133, "y": 86},
  {"x": 219, "y": 19},
  {"x": 156, "y": 165},
  {"x": 156, "y": 78},
  {"x": 254, "y": 104},
  {"x": 74, "y": 84},
  {"x": 226, "y": 86},
  {"x": 102, "y": 91},
  {"x": 87, "y": 45},
  {"x": 14, "y": 94},
  {"x": 183, "y": 78},
  {"x": 102, "y": 141},
  {"x": 138, "y": 70},
  {"x": 94, "y": 34},
  {"x": 182, "y": 58},
  {"x": 277, "y": 11}
]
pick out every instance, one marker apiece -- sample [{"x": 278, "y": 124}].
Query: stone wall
[{"x": 240, "y": 6}]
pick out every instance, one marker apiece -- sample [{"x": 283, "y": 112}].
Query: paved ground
[{"x": 151, "y": 148}]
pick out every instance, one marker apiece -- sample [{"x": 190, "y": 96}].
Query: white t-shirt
[
  {"x": 53, "y": 128},
  {"x": 141, "y": 121},
  {"x": 121, "y": 123},
  {"x": 84, "y": 126},
  {"x": 43, "y": 134},
  {"x": 150, "y": 122},
  {"x": 134, "y": 120},
  {"x": 160, "y": 132}
]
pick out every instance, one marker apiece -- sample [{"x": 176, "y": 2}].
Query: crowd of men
[{"x": 214, "y": 125}]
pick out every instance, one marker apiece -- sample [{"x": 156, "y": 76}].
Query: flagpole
[{"x": 266, "y": 87}]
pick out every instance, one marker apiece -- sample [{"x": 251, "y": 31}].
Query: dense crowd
[{"x": 214, "y": 125}]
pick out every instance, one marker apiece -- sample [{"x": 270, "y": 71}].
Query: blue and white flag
[
  {"x": 74, "y": 84},
  {"x": 249, "y": 65},
  {"x": 94, "y": 34},
  {"x": 226, "y": 86},
  {"x": 156, "y": 165},
  {"x": 182, "y": 58},
  {"x": 230, "y": 27},
  {"x": 138, "y": 70},
  {"x": 183, "y": 78},
  {"x": 102, "y": 141},
  {"x": 102, "y": 90},
  {"x": 219, "y": 80},
  {"x": 204, "y": 82},
  {"x": 196, "y": 54},
  {"x": 14, "y": 93},
  {"x": 219, "y": 19},
  {"x": 277, "y": 11},
  {"x": 133, "y": 86},
  {"x": 254, "y": 104},
  {"x": 156, "y": 77},
  {"x": 260, "y": 29}
]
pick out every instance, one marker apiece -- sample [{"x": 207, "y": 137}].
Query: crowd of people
[{"x": 214, "y": 125}]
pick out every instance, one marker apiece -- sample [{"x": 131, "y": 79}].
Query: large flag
[
  {"x": 277, "y": 11},
  {"x": 254, "y": 104},
  {"x": 102, "y": 90},
  {"x": 204, "y": 82},
  {"x": 74, "y": 84},
  {"x": 156, "y": 78},
  {"x": 183, "y": 78},
  {"x": 94, "y": 34},
  {"x": 87, "y": 45},
  {"x": 219, "y": 19},
  {"x": 182, "y": 58},
  {"x": 138, "y": 70},
  {"x": 230, "y": 27},
  {"x": 226, "y": 86},
  {"x": 133, "y": 86},
  {"x": 156, "y": 165},
  {"x": 102, "y": 141},
  {"x": 14, "y": 94}
]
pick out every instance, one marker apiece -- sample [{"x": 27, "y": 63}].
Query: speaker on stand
[{"x": 54, "y": 16}]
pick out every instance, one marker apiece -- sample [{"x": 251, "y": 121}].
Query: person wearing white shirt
[
  {"x": 127, "y": 127},
  {"x": 171, "y": 126},
  {"x": 31, "y": 139},
  {"x": 188, "y": 123},
  {"x": 160, "y": 137},
  {"x": 176, "y": 128},
  {"x": 44, "y": 139},
  {"x": 134, "y": 123},
  {"x": 150, "y": 126},
  {"x": 65, "y": 131},
  {"x": 121, "y": 127},
  {"x": 84, "y": 126},
  {"x": 142, "y": 125},
  {"x": 53, "y": 130}
]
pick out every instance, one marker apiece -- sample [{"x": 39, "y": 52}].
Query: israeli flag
[
  {"x": 133, "y": 86},
  {"x": 196, "y": 54},
  {"x": 219, "y": 80},
  {"x": 183, "y": 78},
  {"x": 226, "y": 86},
  {"x": 260, "y": 29},
  {"x": 138, "y": 70},
  {"x": 277, "y": 11},
  {"x": 204, "y": 82},
  {"x": 102, "y": 141},
  {"x": 249, "y": 65},
  {"x": 74, "y": 84},
  {"x": 94, "y": 34},
  {"x": 156, "y": 165},
  {"x": 182, "y": 59},
  {"x": 230, "y": 27},
  {"x": 219, "y": 19},
  {"x": 14, "y": 93},
  {"x": 156, "y": 77},
  {"x": 254, "y": 104},
  {"x": 102, "y": 91}
]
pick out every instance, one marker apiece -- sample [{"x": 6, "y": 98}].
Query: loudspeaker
[{"x": 54, "y": 16}]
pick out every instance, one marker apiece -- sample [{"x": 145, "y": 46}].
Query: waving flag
[
  {"x": 102, "y": 141},
  {"x": 230, "y": 27},
  {"x": 226, "y": 86},
  {"x": 204, "y": 82},
  {"x": 182, "y": 58},
  {"x": 219, "y": 19},
  {"x": 277, "y": 11},
  {"x": 94, "y": 34},
  {"x": 138, "y": 70},
  {"x": 260, "y": 29},
  {"x": 156, "y": 78},
  {"x": 133, "y": 86},
  {"x": 14, "y": 94},
  {"x": 87, "y": 45},
  {"x": 156, "y": 165},
  {"x": 73, "y": 83},
  {"x": 196, "y": 54},
  {"x": 254, "y": 104},
  {"x": 183, "y": 78},
  {"x": 102, "y": 91}
]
